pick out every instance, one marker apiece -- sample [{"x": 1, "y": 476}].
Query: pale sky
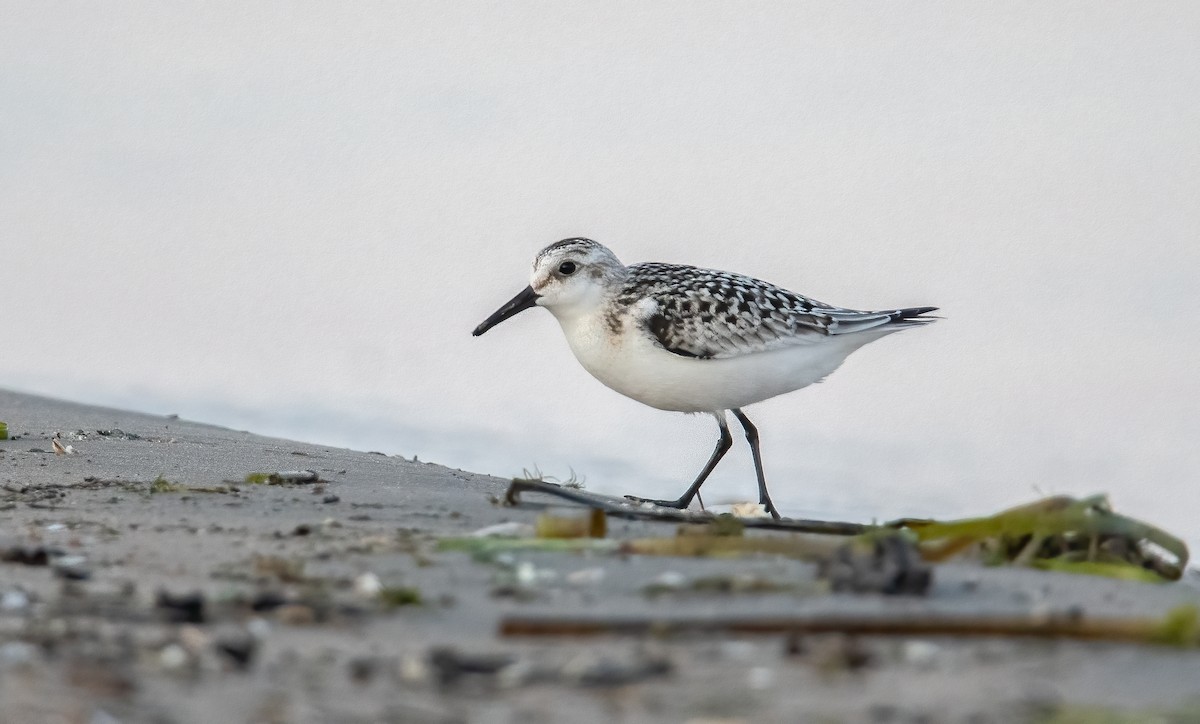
[{"x": 292, "y": 215}]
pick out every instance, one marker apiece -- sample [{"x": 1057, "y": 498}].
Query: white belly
[{"x": 632, "y": 364}]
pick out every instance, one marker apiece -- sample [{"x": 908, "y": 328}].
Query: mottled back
[{"x": 712, "y": 314}]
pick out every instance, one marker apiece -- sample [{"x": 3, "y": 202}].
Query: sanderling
[{"x": 685, "y": 339}]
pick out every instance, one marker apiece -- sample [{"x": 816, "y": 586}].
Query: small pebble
[
  {"x": 295, "y": 614},
  {"x": 193, "y": 639},
  {"x": 14, "y": 600},
  {"x": 72, "y": 568},
  {"x": 362, "y": 669},
  {"x": 239, "y": 648},
  {"x": 259, "y": 628},
  {"x": 367, "y": 585},
  {"x": 511, "y": 529},
  {"x": 182, "y": 608},
  {"x": 173, "y": 656},
  {"x": 267, "y": 601}
]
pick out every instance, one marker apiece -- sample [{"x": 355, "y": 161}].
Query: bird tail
[{"x": 911, "y": 317}]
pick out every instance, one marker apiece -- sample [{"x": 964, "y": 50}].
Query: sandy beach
[{"x": 147, "y": 579}]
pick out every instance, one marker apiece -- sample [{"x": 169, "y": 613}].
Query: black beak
[{"x": 526, "y": 299}]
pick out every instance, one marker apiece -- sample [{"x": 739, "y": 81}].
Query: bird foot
[{"x": 677, "y": 504}]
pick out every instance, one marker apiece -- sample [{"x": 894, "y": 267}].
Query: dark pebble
[
  {"x": 363, "y": 669},
  {"x": 450, "y": 665},
  {"x": 268, "y": 601},
  {"x": 238, "y": 648},
  {"x": 181, "y": 608},
  {"x": 26, "y": 555}
]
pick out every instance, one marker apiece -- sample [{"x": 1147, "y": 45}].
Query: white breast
[{"x": 632, "y": 363}]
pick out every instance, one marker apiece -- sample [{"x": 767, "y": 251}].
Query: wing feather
[{"x": 711, "y": 314}]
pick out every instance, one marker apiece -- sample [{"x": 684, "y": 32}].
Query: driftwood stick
[
  {"x": 633, "y": 511},
  {"x": 1063, "y": 625}
]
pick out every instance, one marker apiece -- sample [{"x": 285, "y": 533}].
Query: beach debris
[
  {"x": 719, "y": 584},
  {"x": 450, "y": 666},
  {"x": 267, "y": 600},
  {"x": 397, "y": 596},
  {"x": 665, "y": 582},
  {"x": 507, "y": 529},
  {"x": 3, "y": 430},
  {"x": 59, "y": 448},
  {"x": 724, "y": 524},
  {"x": 1060, "y": 533},
  {"x": 285, "y": 477},
  {"x": 833, "y": 653},
  {"x": 238, "y": 648},
  {"x": 287, "y": 570},
  {"x": 367, "y": 585},
  {"x": 193, "y": 638},
  {"x": 28, "y": 555},
  {"x": 749, "y": 510},
  {"x": 589, "y": 670},
  {"x": 173, "y": 657},
  {"x": 72, "y": 568},
  {"x": 117, "y": 434},
  {"x": 181, "y": 608},
  {"x": 708, "y": 545},
  {"x": 921, "y": 654},
  {"x": 296, "y": 614},
  {"x": 890, "y": 564},
  {"x": 1179, "y": 627},
  {"x": 362, "y": 669},
  {"x": 690, "y": 542},
  {"x": 590, "y": 523},
  {"x": 162, "y": 485},
  {"x": 14, "y": 600},
  {"x": 626, "y": 509}
]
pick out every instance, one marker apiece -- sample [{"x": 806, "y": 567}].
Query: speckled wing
[{"x": 713, "y": 314}]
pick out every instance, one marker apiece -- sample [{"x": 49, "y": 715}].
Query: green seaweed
[
  {"x": 727, "y": 524},
  {"x": 1180, "y": 627},
  {"x": 1189, "y": 713},
  {"x": 397, "y": 596},
  {"x": 1078, "y": 535},
  {"x": 162, "y": 485}
]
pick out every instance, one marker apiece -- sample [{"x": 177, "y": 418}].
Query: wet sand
[{"x": 147, "y": 581}]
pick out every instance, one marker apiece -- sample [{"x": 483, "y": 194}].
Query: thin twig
[
  {"x": 1064, "y": 625},
  {"x": 631, "y": 511}
]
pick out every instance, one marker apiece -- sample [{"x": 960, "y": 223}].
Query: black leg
[
  {"x": 685, "y": 500},
  {"x": 752, "y": 437}
]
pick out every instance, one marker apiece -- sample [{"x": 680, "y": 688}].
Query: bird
[{"x": 685, "y": 339}]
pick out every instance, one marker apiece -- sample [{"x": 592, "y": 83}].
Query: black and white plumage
[
  {"x": 712, "y": 314},
  {"x": 687, "y": 339}
]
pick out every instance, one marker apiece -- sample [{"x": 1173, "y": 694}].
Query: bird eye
[{"x": 566, "y": 268}]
